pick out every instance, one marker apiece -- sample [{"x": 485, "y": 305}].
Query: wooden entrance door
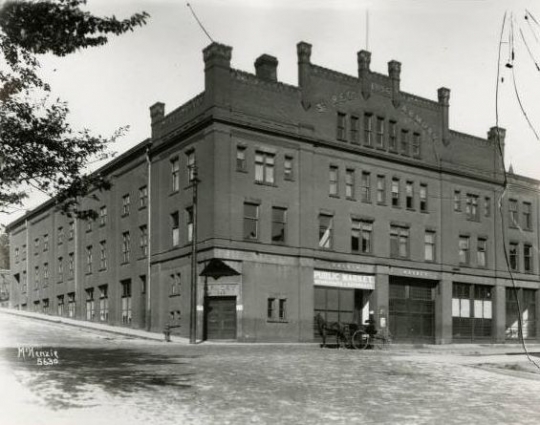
[{"x": 221, "y": 318}]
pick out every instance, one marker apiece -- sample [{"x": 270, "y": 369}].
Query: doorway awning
[{"x": 216, "y": 268}]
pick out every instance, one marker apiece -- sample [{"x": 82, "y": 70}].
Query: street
[{"x": 53, "y": 373}]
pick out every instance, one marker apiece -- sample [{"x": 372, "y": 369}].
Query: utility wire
[
  {"x": 529, "y": 50},
  {"x": 199, "y": 22}
]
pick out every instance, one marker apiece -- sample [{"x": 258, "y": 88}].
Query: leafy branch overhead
[{"x": 38, "y": 147}]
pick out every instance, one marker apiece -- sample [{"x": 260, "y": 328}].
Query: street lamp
[{"x": 193, "y": 313}]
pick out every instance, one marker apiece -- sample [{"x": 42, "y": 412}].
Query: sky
[{"x": 440, "y": 43}]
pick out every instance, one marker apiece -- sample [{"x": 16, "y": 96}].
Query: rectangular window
[
  {"x": 404, "y": 142},
  {"x": 264, "y": 167},
  {"x": 349, "y": 184},
  {"x": 104, "y": 303},
  {"x": 392, "y": 136},
  {"x": 366, "y": 186},
  {"x": 103, "y": 216},
  {"x": 395, "y": 192},
  {"x": 90, "y": 304},
  {"x": 71, "y": 304},
  {"x": 89, "y": 259},
  {"x": 16, "y": 255},
  {"x": 143, "y": 240},
  {"x": 380, "y": 133},
  {"x": 23, "y": 254},
  {"x": 125, "y": 205},
  {"x": 60, "y": 269},
  {"x": 368, "y": 130},
  {"x": 45, "y": 274},
  {"x": 513, "y": 256},
  {"x": 175, "y": 284},
  {"x": 276, "y": 309},
  {"x": 71, "y": 230},
  {"x": 88, "y": 225},
  {"x": 36, "y": 246},
  {"x": 71, "y": 265},
  {"x": 409, "y": 195},
  {"x": 190, "y": 165},
  {"x": 270, "y": 308},
  {"x": 341, "y": 129},
  {"x": 354, "y": 130},
  {"x": 471, "y": 207},
  {"x": 126, "y": 301},
  {"x": 60, "y": 305},
  {"x": 288, "y": 171},
  {"x": 46, "y": 242},
  {"x": 325, "y": 231},
  {"x": 189, "y": 224},
  {"x": 429, "y": 245},
  {"x": 361, "y": 236},
  {"x": 143, "y": 197},
  {"x": 279, "y": 218},
  {"x": 423, "y": 197},
  {"x": 464, "y": 250},
  {"x": 481, "y": 252},
  {"x": 333, "y": 176},
  {"x": 126, "y": 247},
  {"x": 103, "y": 255},
  {"x": 60, "y": 235},
  {"x": 457, "y": 200},
  {"x": 381, "y": 190},
  {"x": 416, "y": 145},
  {"x": 175, "y": 174},
  {"x": 527, "y": 216},
  {"x": 399, "y": 242},
  {"x": 527, "y": 258},
  {"x": 487, "y": 206},
  {"x": 527, "y": 306},
  {"x": 513, "y": 212},
  {"x": 251, "y": 221},
  {"x": 142, "y": 279},
  {"x": 175, "y": 228},
  {"x": 36, "y": 277},
  {"x": 46, "y": 306},
  {"x": 282, "y": 312},
  {"x": 241, "y": 164}
]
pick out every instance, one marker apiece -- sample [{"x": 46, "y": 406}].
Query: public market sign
[{"x": 343, "y": 280}]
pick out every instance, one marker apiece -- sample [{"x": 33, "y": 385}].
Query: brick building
[{"x": 340, "y": 196}]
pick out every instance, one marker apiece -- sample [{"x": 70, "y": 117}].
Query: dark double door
[
  {"x": 412, "y": 310},
  {"x": 220, "y": 318}
]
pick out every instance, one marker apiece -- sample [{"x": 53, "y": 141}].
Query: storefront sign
[
  {"x": 421, "y": 274},
  {"x": 343, "y": 280},
  {"x": 222, "y": 289},
  {"x": 349, "y": 267}
]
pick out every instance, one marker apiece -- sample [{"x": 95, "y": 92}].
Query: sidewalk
[{"x": 100, "y": 327}]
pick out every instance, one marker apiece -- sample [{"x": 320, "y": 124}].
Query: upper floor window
[
  {"x": 71, "y": 265},
  {"x": 395, "y": 192},
  {"x": 143, "y": 197},
  {"x": 36, "y": 246},
  {"x": 125, "y": 205},
  {"x": 251, "y": 221},
  {"x": 23, "y": 253},
  {"x": 429, "y": 245},
  {"x": 392, "y": 136},
  {"x": 175, "y": 227},
  {"x": 190, "y": 163},
  {"x": 279, "y": 224},
  {"x": 71, "y": 230},
  {"x": 126, "y": 247},
  {"x": 416, "y": 145},
  {"x": 89, "y": 259},
  {"x": 189, "y": 223},
  {"x": 333, "y": 176},
  {"x": 481, "y": 252},
  {"x": 399, "y": 242},
  {"x": 457, "y": 200},
  {"x": 404, "y": 142},
  {"x": 241, "y": 164},
  {"x": 527, "y": 216},
  {"x": 464, "y": 250},
  {"x": 60, "y": 235},
  {"x": 366, "y": 186},
  {"x": 354, "y": 130},
  {"x": 368, "y": 129},
  {"x": 143, "y": 240},
  {"x": 103, "y": 216},
  {"x": 487, "y": 206},
  {"x": 471, "y": 207},
  {"x": 341, "y": 126},
  {"x": 264, "y": 167},
  {"x": 45, "y": 242},
  {"x": 423, "y": 197},
  {"x": 513, "y": 256},
  {"x": 288, "y": 171},
  {"x": 380, "y": 133},
  {"x": 381, "y": 190},
  {"x": 361, "y": 236},
  {"x": 409, "y": 195},
  {"x": 103, "y": 255},
  {"x": 16, "y": 255},
  {"x": 88, "y": 225},
  {"x": 60, "y": 269},
  {"x": 325, "y": 231},
  {"x": 349, "y": 184},
  {"x": 527, "y": 258},
  {"x": 513, "y": 212},
  {"x": 175, "y": 174}
]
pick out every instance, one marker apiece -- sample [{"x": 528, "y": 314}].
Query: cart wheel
[{"x": 360, "y": 340}]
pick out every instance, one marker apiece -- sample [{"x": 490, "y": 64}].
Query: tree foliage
[{"x": 38, "y": 147}]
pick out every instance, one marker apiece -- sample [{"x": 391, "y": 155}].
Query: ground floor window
[
  {"x": 471, "y": 311},
  {"x": 46, "y": 306},
  {"x": 90, "y": 306},
  {"x": 527, "y": 305},
  {"x": 276, "y": 309},
  {"x": 104, "y": 303},
  {"x": 71, "y": 304},
  {"x": 126, "y": 302},
  {"x": 60, "y": 305}
]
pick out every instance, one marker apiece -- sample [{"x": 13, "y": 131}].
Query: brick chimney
[
  {"x": 364, "y": 61},
  {"x": 217, "y": 70},
  {"x": 394, "y": 72},
  {"x": 266, "y": 67},
  {"x": 157, "y": 112},
  {"x": 303, "y": 50},
  {"x": 444, "y": 101}
]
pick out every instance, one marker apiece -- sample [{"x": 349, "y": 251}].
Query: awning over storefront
[
  {"x": 343, "y": 280},
  {"x": 216, "y": 268}
]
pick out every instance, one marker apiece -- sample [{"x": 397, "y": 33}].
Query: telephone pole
[{"x": 193, "y": 316}]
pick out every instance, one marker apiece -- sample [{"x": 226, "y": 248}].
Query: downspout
[{"x": 149, "y": 251}]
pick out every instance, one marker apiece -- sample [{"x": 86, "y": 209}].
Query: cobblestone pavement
[{"x": 103, "y": 379}]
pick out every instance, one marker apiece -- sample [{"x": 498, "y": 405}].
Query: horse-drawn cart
[{"x": 351, "y": 335}]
